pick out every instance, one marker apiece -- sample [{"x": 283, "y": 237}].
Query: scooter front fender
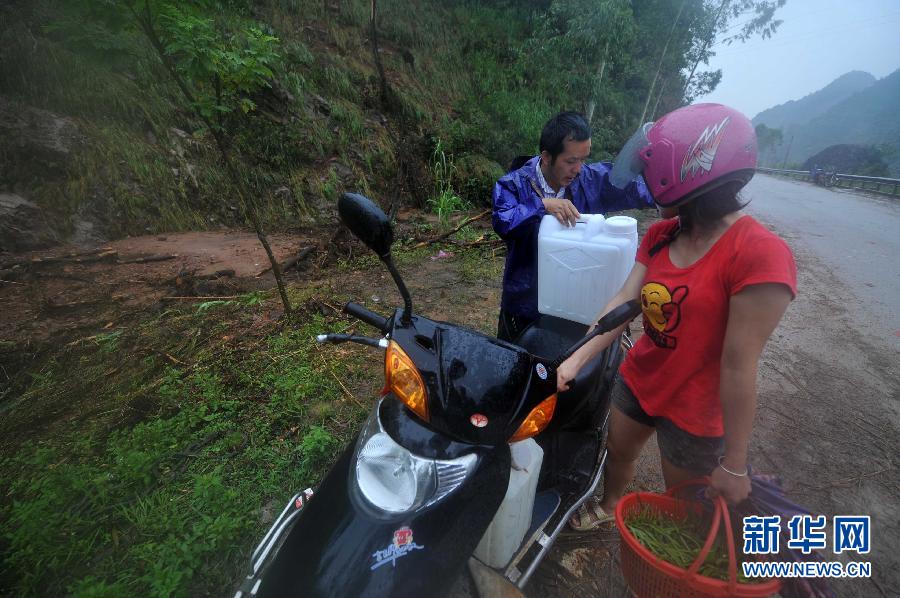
[{"x": 340, "y": 547}]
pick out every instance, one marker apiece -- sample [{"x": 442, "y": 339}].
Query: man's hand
[{"x": 563, "y": 209}]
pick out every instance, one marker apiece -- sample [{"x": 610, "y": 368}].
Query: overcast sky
[{"x": 818, "y": 41}]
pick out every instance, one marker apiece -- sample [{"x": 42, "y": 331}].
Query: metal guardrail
[{"x": 873, "y": 184}]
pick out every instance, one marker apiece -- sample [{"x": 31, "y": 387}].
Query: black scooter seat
[{"x": 548, "y": 337}]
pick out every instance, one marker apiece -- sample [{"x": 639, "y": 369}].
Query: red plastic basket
[{"x": 649, "y": 576}]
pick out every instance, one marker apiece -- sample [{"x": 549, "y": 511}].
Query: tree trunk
[
  {"x": 687, "y": 81},
  {"x": 382, "y": 79},
  {"x": 659, "y": 63},
  {"x": 247, "y": 202},
  {"x": 592, "y": 103},
  {"x": 662, "y": 90}
]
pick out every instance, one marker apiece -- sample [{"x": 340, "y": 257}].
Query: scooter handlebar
[
  {"x": 618, "y": 316},
  {"x": 334, "y": 337},
  {"x": 572, "y": 384},
  {"x": 613, "y": 319},
  {"x": 369, "y": 317}
]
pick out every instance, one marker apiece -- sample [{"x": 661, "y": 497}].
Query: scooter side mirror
[
  {"x": 367, "y": 222},
  {"x": 371, "y": 225}
]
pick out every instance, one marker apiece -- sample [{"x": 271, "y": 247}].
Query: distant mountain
[
  {"x": 796, "y": 112},
  {"x": 869, "y": 117}
]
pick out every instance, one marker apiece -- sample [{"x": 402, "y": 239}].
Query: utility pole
[{"x": 787, "y": 153}]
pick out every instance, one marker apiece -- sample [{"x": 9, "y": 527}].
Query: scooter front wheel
[
  {"x": 463, "y": 586},
  {"x": 477, "y": 580}
]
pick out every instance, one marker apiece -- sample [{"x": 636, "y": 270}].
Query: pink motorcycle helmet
[{"x": 688, "y": 152}]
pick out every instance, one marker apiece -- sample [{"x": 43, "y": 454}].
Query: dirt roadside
[
  {"x": 828, "y": 416},
  {"x": 58, "y": 300}
]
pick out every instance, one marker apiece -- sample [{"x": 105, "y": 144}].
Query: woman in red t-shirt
[{"x": 713, "y": 285}]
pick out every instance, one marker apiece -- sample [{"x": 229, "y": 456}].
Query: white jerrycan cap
[{"x": 621, "y": 225}]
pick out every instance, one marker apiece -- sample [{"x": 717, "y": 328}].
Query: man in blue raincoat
[{"x": 556, "y": 182}]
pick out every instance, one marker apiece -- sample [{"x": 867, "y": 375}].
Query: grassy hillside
[
  {"x": 470, "y": 84},
  {"x": 141, "y": 160}
]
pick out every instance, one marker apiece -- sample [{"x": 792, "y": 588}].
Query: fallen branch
[
  {"x": 452, "y": 232},
  {"x": 292, "y": 261},
  {"x": 146, "y": 259},
  {"x": 845, "y": 481},
  {"x": 68, "y": 276},
  {"x": 188, "y": 278},
  {"x": 224, "y": 298},
  {"x": 17, "y": 268},
  {"x": 50, "y": 304},
  {"x": 106, "y": 256},
  {"x": 52, "y": 259},
  {"x": 172, "y": 359},
  {"x": 348, "y": 393},
  {"x": 336, "y": 310},
  {"x": 480, "y": 242},
  {"x": 227, "y": 273}
]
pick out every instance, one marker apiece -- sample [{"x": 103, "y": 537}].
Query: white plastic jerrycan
[
  {"x": 507, "y": 530},
  {"x": 580, "y": 268}
]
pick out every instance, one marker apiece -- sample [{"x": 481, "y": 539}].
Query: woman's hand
[
  {"x": 570, "y": 367},
  {"x": 566, "y": 371},
  {"x": 734, "y": 489}
]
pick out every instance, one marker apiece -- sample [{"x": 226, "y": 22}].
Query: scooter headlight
[{"x": 395, "y": 480}]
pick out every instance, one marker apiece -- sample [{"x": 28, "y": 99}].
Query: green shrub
[{"x": 474, "y": 177}]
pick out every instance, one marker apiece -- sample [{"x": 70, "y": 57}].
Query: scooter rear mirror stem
[{"x": 406, "y": 317}]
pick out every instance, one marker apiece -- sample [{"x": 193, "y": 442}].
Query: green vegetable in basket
[{"x": 679, "y": 541}]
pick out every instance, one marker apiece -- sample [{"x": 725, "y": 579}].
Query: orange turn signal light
[
  {"x": 403, "y": 379},
  {"x": 537, "y": 420}
]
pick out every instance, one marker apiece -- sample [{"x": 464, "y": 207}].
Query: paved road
[
  {"x": 857, "y": 235},
  {"x": 828, "y": 417}
]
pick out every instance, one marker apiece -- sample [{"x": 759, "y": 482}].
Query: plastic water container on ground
[
  {"x": 507, "y": 530},
  {"x": 580, "y": 268}
]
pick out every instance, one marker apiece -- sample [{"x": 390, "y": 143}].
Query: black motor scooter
[{"x": 404, "y": 507}]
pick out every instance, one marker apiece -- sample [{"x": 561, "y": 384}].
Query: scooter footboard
[{"x": 340, "y": 545}]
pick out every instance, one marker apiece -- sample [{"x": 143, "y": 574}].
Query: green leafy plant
[
  {"x": 316, "y": 448},
  {"x": 445, "y": 201},
  {"x": 208, "y": 305},
  {"x": 108, "y": 341},
  {"x": 225, "y": 69},
  {"x": 252, "y": 299}
]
